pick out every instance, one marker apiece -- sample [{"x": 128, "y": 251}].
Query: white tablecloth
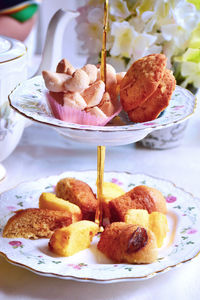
[{"x": 42, "y": 152}]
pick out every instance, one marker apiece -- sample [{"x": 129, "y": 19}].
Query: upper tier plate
[{"x": 29, "y": 99}]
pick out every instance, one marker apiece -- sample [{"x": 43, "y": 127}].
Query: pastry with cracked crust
[
  {"x": 128, "y": 243},
  {"x": 79, "y": 193},
  {"x": 141, "y": 80},
  {"x": 140, "y": 197},
  {"x": 34, "y": 223},
  {"x": 157, "y": 102}
]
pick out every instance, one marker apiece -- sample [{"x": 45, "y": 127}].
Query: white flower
[
  {"x": 119, "y": 8},
  {"x": 124, "y": 36},
  {"x": 91, "y": 35},
  {"x": 141, "y": 45},
  {"x": 95, "y": 15},
  {"x": 185, "y": 15},
  {"x": 142, "y": 27}
]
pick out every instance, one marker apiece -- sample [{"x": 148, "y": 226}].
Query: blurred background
[{"x": 35, "y": 42}]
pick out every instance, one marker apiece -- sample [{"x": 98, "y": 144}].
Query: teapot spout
[{"x": 52, "y": 52}]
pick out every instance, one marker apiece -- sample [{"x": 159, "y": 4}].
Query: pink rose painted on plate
[
  {"x": 16, "y": 244},
  {"x": 116, "y": 181},
  {"x": 192, "y": 231},
  {"x": 170, "y": 199}
]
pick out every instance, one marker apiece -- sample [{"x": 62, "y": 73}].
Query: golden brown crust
[
  {"x": 141, "y": 80},
  {"x": 140, "y": 197},
  {"x": 106, "y": 105},
  {"x": 34, "y": 223},
  {"x": 79, "y": 193},
  {"x": 129, "y": 243},
  {"x": 64, "y": 66},
  {"x": 157, "y": 102}
]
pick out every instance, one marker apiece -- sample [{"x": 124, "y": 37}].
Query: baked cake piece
[
  {"x": 50, "y": 201},
  {"x": 140, "y": 197},
  {"x": 34, "y": 223},
  {"x": 141, "y": 80},
  {"x": 128, "y": 243},
  {"x": 156, "y": 222},
  {"x": 157, "y": 102},
  {"x": 79, "y": 193},
  {"x": 69, "y": 240}
]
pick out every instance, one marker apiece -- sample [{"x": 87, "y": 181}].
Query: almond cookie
[
  {"x": 91, "y": 71},
  {"x": 141, "y": 80},
  {"x": 94, "y": 93},
  {"x": 78, "y": 82},
  {"x": 157, "y": 102},
  {"x": 64, "y": 66},
  {"x": 54, "y": 82}
]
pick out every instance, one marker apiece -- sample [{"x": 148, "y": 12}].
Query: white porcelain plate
[
  {"x": 181, "y": 245},
  {"x": 29, "y": 99}
]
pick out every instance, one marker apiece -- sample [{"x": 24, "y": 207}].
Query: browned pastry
[
  {"x": 157, "y": 102},
  {"x": 141, "y": 80},
  {"x": 79, "y": 193},
  {"x": 129, "y": 243},
  {"x": 140, "y": 197},
  {"x": 34, "y": 223},
  {"x": 64, "y": 66},
  {"x": 107, "y": 105}
]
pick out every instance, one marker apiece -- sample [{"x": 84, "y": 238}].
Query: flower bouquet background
[{"x": 141, "y": 27}]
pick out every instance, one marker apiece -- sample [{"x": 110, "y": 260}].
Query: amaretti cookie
[{"x": 128, "y": 243}]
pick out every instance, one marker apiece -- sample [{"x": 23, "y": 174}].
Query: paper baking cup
[{"x": 73, "y": 115}]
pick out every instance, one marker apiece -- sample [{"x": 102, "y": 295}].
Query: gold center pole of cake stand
[
  {"x": 100, "y": 173},
  {"x": 101, "y": 149}
]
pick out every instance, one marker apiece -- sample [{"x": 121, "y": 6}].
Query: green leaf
[
  {"x": 129, "y": 269},
  {"x": 40, "y": 262},
  {"x": 131, "y": 184},
  {"x": 190, "y": 242},
  {"x": 126, "y": 60},
  {"x": 191, "y": 207},
  {"x": 178, "y": 206}
]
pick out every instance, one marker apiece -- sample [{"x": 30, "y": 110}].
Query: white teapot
[{"x": 14, "y": 69}]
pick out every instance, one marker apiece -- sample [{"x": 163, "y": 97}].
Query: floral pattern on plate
[{"x": 181, "y": 245}]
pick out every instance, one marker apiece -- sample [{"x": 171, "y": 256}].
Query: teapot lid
[{"x": 11, "y": 49}]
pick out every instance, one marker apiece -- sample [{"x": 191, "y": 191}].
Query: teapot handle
[{"x": 52, "y": 51}]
